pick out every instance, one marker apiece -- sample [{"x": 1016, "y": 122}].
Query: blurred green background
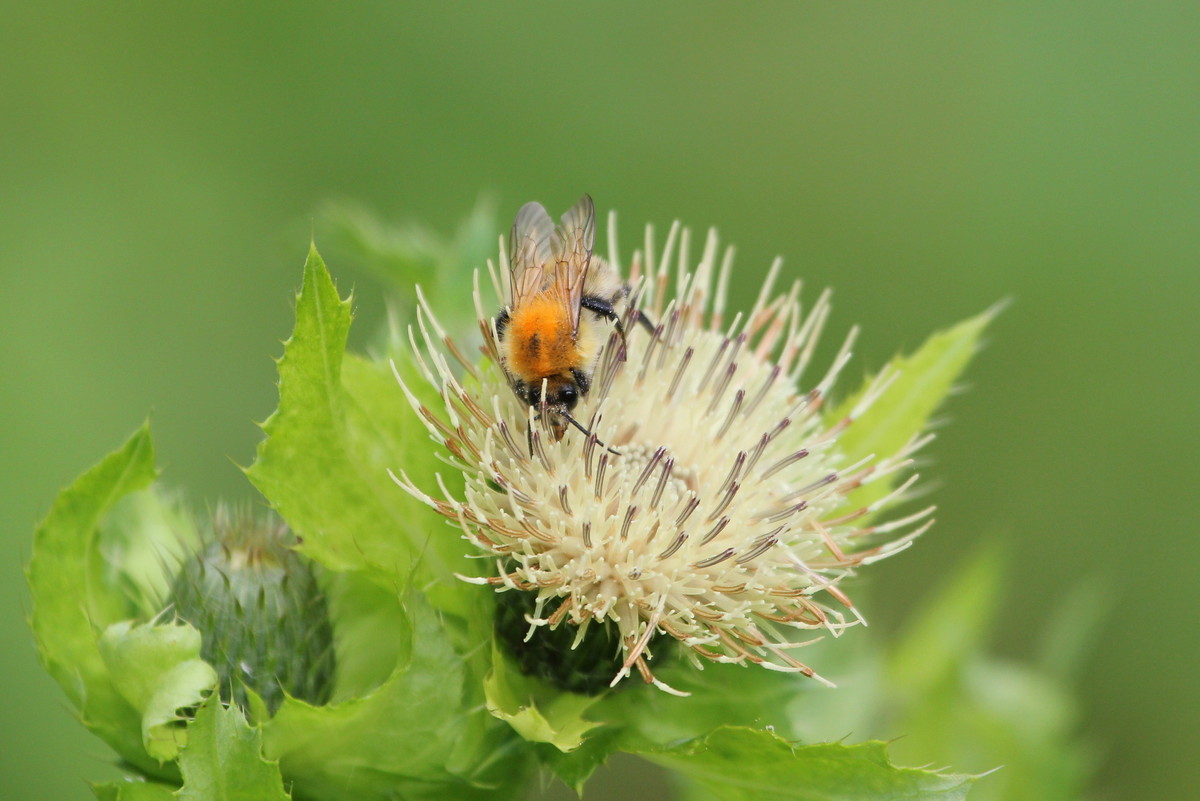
[{"x": 162, "y": 167}]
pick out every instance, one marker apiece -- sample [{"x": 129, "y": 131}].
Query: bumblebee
[{"x": 563, "y": 297}]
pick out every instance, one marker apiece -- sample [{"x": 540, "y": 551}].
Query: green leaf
[
  {"x": 133, "y": 789},
  {"x": 951, "y": 702},
  {"x": 158, "y": 669},
  {"x": 949, "y": 628},
  {"x": 538, "y": 713},
  {"x": 342, "y": 423},
  {"x": 75, "y": 597},
  {"x": 720, "y": 694},
  {"x": 924, "y": 380},
  {"x": 739, "y": 764},
  {"x": 423, "y": 733},
  {"x": 575, "y": 767},
  {"x": 640, "y": 718},
  {"x": 143, "y": 539},
  {"x": 793, "y": 706},
  {"x": 223, "y": 759},
  {"x": 368, "y": 636},
  {"x": 789, "y": 704},
  {"x": 409, "y": 254}
]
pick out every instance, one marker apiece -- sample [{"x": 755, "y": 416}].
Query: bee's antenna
[{"x": 575, "y": 423}]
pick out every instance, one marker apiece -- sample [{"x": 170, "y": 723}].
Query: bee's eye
[{"x": 568, "y": 396}]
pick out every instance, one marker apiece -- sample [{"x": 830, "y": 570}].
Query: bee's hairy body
[
  {"x": 538, "y": 343},
  {"x": 564, "y": 302}
]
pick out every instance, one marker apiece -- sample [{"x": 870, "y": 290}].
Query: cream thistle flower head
[{"x": 707, "y": 503}]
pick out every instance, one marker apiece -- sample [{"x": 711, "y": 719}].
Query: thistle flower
[{"x": 707, "y": 503}]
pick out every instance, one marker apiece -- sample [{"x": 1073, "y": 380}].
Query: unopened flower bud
[{"x": 263, "y": 617}]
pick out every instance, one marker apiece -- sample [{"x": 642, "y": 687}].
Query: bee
[{"x": 563, "y": 297}]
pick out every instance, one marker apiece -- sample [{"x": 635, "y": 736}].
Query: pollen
[{"x": 708, "y": 503}]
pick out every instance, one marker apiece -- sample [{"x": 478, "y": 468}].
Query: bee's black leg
[
  {"x": 605, "y": 309},
  {"x": 601, "y": 307},
  {"x": 529, "y": 437}
]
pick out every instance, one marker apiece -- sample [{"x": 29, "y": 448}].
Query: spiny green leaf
[
  {"x": 538, "y": 713},
  {"x": 575, "y": 767},
  {"x": 739, "y": 764},
  {"x": 423, "y": 733},
  {"x": 924, "y": 380},
  {"x": 157, "y": 668},
  {"x": 75, "y": 597},
  {"x": 223, "y": 759},
  {"x": 342, "y": 422}
]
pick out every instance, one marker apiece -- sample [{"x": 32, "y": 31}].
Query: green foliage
[
  {"x": 538, "y": 713},
  {"x": 404, "y": 256},
  {"x": 575, "y": 767},
  {"x": 223, "y": 759},
  {"x": 719, "y": 694},
  {"x": 422, "y": 733},
  {"x": 947, "y": 697},
  {"x": 158, "y": 669},
  {"x": 407, "y": 715},
  {"x": 923, "y": 380},
  {"x": 368, "y": 639},
  {"x": 75, "y": 597},
  {"x": 141, "y": 539},
  {"x": 342, "y": 423},
  {"x": 740, "y": 764}
]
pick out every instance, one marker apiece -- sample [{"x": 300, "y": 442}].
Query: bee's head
[
  {"x": 560, "y": 402},
  {"x": 561, "y": 393},
  {"x": 566, "y": 396}
]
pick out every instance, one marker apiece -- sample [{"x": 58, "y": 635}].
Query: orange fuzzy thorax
[{"x": 539, "y": 341}]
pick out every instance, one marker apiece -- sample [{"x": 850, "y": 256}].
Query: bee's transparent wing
[
  {"x": 529, "y": 251},
  {"x": 571, "y": 244}
]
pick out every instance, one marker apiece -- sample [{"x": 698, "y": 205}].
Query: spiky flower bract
[
  {"x": 264, "y": 619},
  {"x": 709, "y": 500}
]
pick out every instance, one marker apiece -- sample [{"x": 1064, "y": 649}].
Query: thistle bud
[{"x": 263, "y": 617}]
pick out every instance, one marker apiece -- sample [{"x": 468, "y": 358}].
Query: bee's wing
[
  {"x": 529, "y": 251},
  {"x": 571, "y": 244}
]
